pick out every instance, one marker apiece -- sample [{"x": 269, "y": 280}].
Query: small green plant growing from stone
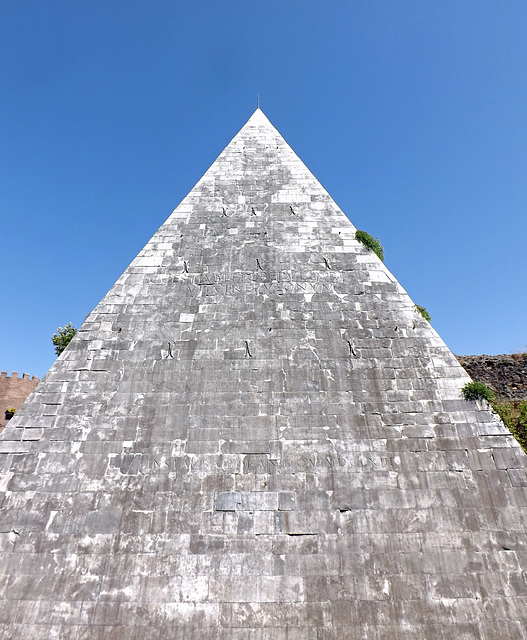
[
  {"x": 63, "y": 337},
  {"x": 477, "y": 391},
  {"x": 423, "y": 312},
  {"x": 371, "y": 243}
]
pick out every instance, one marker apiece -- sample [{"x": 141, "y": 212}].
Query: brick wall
[{"x": 13, "y": 391}]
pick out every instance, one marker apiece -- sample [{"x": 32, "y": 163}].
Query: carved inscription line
[
  {"x": 262, "y": 288},
  {"x": 260, "y": 275},
  {"x": 141, "y": 464}
]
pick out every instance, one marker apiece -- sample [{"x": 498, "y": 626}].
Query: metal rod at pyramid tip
[{"x": 258, "y": 101}]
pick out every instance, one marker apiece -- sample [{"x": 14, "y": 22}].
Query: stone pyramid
[{"x": 255, "y": 436}]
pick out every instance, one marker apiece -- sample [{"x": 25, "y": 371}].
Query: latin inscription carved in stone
[
  {"x": 263, "y": 283},
  {"x": 142, "y": 464}
]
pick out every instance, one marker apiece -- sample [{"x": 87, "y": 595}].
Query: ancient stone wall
[
  {"x": 13, "y": 392},
  {"x": 505, "y": 374}
]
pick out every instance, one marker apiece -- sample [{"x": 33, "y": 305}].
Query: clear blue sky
[{"x": 412, "y": 114}]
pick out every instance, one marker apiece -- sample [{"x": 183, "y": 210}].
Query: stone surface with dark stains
[{"x": 195, "y": 474}]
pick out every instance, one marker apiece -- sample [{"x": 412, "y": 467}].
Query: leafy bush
[
  {"x": 63, "y": 337},
  {"x": 371, "y": 243},
  {"x": 514, "y": 417},
  {"x": 10, "y": 410},
  {"x": 477, "y": 391},
  {"x": 423, "y": 312}
]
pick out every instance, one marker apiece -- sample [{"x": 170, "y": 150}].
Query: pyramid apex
[{"x": 259, "y": 117}]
